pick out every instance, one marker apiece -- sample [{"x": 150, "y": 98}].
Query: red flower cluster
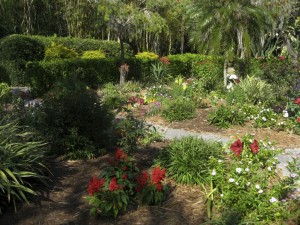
[
  {"x": 95, "y": 185},
  {"x": 281, "y": 57},
  {"x": 254, "y": 147},
  {"x": 165, "y": 60},
  {"x": 298, "y": 119},
  {"x": 120, "y": 155},
  {"x": 125, "y": 177},
  {"x": 237, "y": 147},
  {"x": 297, "y": 101},
  {"x": 142, "y": 180},
  {"x": 113, "y": 184},
  {"x": 157, "y": 176},
  {"x": 134, "y": 100}
]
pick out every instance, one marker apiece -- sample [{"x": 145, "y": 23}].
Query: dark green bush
[
  {"x": 186, "y": 159},
  {"x": 74, "y": 121},
  {"x": 94, "y": 72},
  {"x": 182, "y": 64},
  {"x": 15, "y": 52},
  {"x": 21, "y": 163},
  {"x": 4, "y": 75},
  {"x": 179, "y": 109}
]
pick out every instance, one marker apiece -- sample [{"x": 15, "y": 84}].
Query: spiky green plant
[{"x": 21, "y": 163}]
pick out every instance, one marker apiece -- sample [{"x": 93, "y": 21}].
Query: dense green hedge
[{"x": 94, "y": 72}]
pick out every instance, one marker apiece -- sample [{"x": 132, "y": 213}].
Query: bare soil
[{"x": 64, "y": 203}]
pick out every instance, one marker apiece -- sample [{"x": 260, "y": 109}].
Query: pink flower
[{"x": 237, "y": 147}]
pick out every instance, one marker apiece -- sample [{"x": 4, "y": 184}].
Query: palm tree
[{"x": 227, "y": 27}]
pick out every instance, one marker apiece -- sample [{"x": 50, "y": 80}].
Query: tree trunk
[
  {"x": 292, "y": 52},
  {"x": 122, "y": 71},
  {"x": 225, "y": 73},
  {"x": 182, "y": 36}
]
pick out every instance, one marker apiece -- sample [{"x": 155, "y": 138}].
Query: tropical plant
[{"x": 21, "y": 163}]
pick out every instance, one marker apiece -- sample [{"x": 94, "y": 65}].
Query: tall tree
[{"x": 227, "y": 27}]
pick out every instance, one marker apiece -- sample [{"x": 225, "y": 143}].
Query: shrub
[
  {"x": 179, "y": 109},
  {"x": 15, "y": 52},
  {"x": 225, "y": 116},
  {"x": 186, "y": 159},
  {"x": 4, "y": 74},
  {"x": 248, "y": 183},
  {"x": 120, "y": 183},
  {"x": 181, "y": 64},
  {"x": 74, "y": 121},
  {"x": 113, "y": 97},
  {"x": 21, "y": 163},
  {"x": 58, "y": 51},
  {"x": 146, "y": 56},
  {"x": 145, "y": 60},
  {"x": 93, "y": 54}
]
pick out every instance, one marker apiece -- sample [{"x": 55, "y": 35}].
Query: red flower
[
  {"x": 254, "y": 147},
  {"x": 165, "y": 60},
  {"x": 95, "y": 185},
  {"x": 125, "y": 177},
  {"x": 125, "y": 168},
  {"x": 159, "y": 187},
  {"x": 158, "y": 175},
  {"x": 281, "y": 57},
  {"x": 237, "y": 147},
  {"x": 113, "y": 184},
  {"x": 298, "y": 119},
  {"x": 297, "y": 101},
  {"x": 120, "y": 155},
  {"x": 142, "y": 180}
]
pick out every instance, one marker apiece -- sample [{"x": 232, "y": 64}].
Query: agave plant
[{"x": 21, "y": 163}]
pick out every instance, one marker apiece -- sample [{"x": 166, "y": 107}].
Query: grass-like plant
[
  {"x": 186, "y": 159},
  {"x": 21, "y": 164}
]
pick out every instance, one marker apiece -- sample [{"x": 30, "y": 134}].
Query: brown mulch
[{"x": 63, "y": 202}]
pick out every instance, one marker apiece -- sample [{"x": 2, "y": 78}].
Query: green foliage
[
  {"x": 4, "y": 93},
  {"x": 225, "y": 116},
  {"x": 159, "y": 72},
  {"x": 186, "y": 159},
  {"x": 21, "y": 163},
  {"x": 15, "y": 52},
  {"x": 145, "y": 61},
  {"x": 58, "y": 51},
  {"x": 113, "y": 96},
  {"x": 93, "y": 72},
  {"x": 248, "y": 183},
  {"x": 73, "y": 120},
  {"x": 181, "y": 64},
  {"x": 93, "y": 54},
  {"x": 110, "y": 48},
  {"x": 146, "y": 56},
  {"x": 121, "y": 183},
  {"x": 265, "y": 118},
  {"x": 179, "y": 109},
  {"x": 4, "y": 74}
]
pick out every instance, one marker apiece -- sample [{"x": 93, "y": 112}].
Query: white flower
[
  {"x": 260, "y": 191},
  {"x": 272, "y": 200},
  {"x": 231, "y": 180},
  {"x": 257, "y": 186},
  {"x": 293, "y": 175},
  {"x": 238, "y": 170},
  {"x": 269, "y": 168},
  {"x": 237, "y": 183},
  {"x": 248, "y": 184},
  {"x": 220, "y": 160},
  {"x": 247, "y": 169},
  {"x": 214, "y": 173},
  {"x": 221, "y": 195},
  {"x": 285, "y": 113},
  {"x": 264, "y": 118}
]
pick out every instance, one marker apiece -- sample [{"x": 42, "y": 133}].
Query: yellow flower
[{"x": 184, "y": 86}]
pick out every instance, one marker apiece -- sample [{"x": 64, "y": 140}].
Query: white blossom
[
  {"x": 214, "y": 173},
  {"x": 248, "y": 184},
  {"x": 231, "y": 180},
  {"x": 238, "y": 170},
  {"x": 272, "y": 200},
  {"x": 257, "y": 186},
  {"x": 260, "y": 191},
  {"x": 269, "y": 168},
  {"x": 293, "y": 175},
  {"x": 247, "y": 169}
]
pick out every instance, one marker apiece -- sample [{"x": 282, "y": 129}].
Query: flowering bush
[
  {"x": 265, "y": 118},
  {"x": 120, "y": 182},
  {"x": 248, "y": 183}
]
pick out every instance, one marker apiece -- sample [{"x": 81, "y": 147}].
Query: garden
[{"x": 83, "y": 126}]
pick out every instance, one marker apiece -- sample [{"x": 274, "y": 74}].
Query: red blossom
[
  {"x": 159, "y": 187},
  {"x": 165, "y": 60},
  {"x": 158, "y": 175},
  {"x": 125, "y": 177},
  {"x": 95, "y": 185},
  {"x": 254, "y": 147},
  {"x": 142, "y": 180},
  {"x": 298, "y": 119},
  {"x": 125, "y": 168},
  {"x": 113, "y": 184},
  {"x": 297, "y": 101},
  {"x": 237, "y": 147},
  {"x": 120, "y": 155},
  {"x": 281, "y": 57}
]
